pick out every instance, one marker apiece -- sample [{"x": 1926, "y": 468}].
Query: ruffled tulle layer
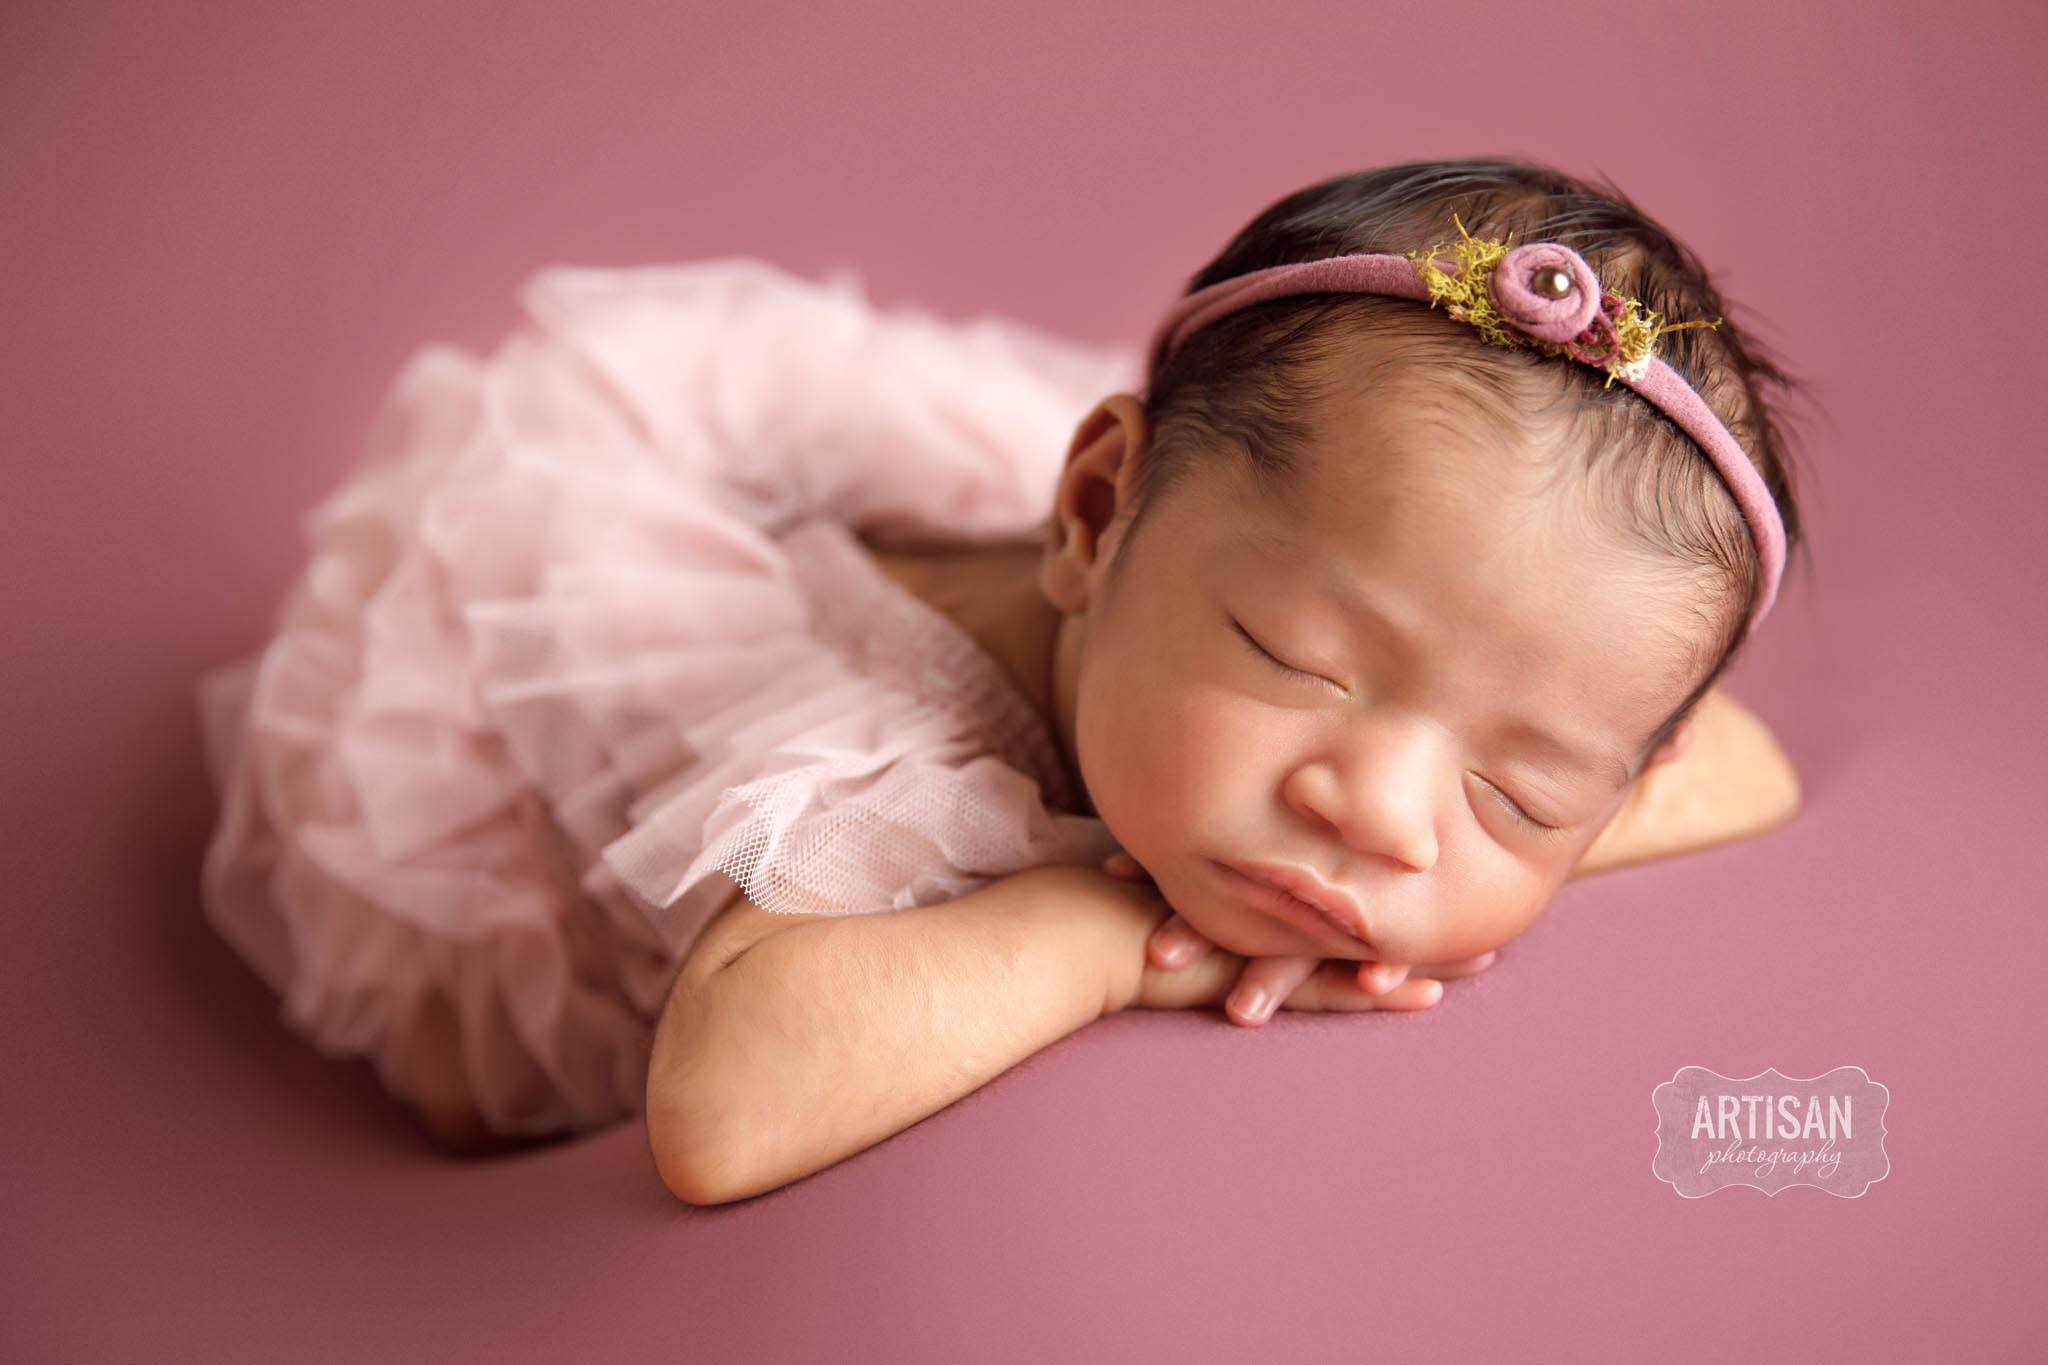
[{"x": 586, "y": 642}]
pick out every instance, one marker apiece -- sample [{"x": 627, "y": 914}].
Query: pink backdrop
[{"x": 225, "y": 228}]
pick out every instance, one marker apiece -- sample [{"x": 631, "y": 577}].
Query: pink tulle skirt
[{"x": 585, "y": 643}]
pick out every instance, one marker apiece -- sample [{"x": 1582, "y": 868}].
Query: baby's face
[{"x": 1445, "y": 746}]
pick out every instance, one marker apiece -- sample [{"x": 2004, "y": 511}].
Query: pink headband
[{"x": 1541, "y": 295}]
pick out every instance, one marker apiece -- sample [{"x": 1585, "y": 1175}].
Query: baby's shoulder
[{"x": 988, "y": 590}]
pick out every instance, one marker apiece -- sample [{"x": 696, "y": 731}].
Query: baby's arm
[
  {"x": 1733, "y": 781},
  {"x": 784, "y": 1049}
]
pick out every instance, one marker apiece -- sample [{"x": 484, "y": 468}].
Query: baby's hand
[{"x": 1265, "y": 983}]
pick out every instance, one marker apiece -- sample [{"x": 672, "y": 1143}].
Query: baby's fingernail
[{"x": 1252, "y": 1006}]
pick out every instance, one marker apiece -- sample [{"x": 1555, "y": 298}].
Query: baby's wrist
[{"x": 1109, "y": 921}]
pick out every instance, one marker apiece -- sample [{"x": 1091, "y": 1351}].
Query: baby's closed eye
[{"x": 1514, "y": 807}]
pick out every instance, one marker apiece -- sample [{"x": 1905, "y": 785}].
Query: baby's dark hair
[{"x": 1254, "y": 381}]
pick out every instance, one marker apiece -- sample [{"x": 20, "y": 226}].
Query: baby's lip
[{"x": 1302, "y": 883}]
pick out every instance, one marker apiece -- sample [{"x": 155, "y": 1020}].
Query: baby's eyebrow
[{"x": 1321, "y": 573}]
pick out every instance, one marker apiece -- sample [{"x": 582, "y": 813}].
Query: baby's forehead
[
  {"x": 1358, "y": 469},
  {"x": 1422, "y": 435}
]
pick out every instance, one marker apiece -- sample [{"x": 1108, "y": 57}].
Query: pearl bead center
[{"x": 1551, "y": 281}]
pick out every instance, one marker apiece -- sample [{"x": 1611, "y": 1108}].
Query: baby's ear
[{"x": 1675, "y": 743}]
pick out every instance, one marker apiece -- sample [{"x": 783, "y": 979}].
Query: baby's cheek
[
  {"x": 1496, "y": 904},
  {"x": 1151, "y": 754},
  {"x": 1431, "y": 916}
]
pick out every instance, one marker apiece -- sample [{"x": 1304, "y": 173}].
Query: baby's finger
[
  {"x": 1264, "y": 984},
  {"x": 1471, "y": 966},
  {"x": 1176, "y": 944},
  {"x": 1125, "y": 868},
  {"x": 1334, "y": 987},
  {"x": 1377, "y": 978}
]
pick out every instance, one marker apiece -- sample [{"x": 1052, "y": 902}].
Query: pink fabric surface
[
  {"x": 228, "y": 228},
  {"x": 587, "y": 640}
]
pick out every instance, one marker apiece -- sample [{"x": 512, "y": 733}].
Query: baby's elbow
[
  {"x": 1778, "y": 795},
  {"x": 1782, "y": 802},
  {"x": 694, "y": 1174},
  {"x": 695, "y": 1119},
  {"x": 696, "y": 1164},
  {"x": 708, "y": 1173},
  {"x": 1742, "y": 759}
]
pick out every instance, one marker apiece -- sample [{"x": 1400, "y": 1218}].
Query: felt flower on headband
[{"x": 1543, "y": 295}]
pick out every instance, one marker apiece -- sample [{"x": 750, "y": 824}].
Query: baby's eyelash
[
  {"x": 1263, "y": 653},
  {"x": 1514, "y": 808}
]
